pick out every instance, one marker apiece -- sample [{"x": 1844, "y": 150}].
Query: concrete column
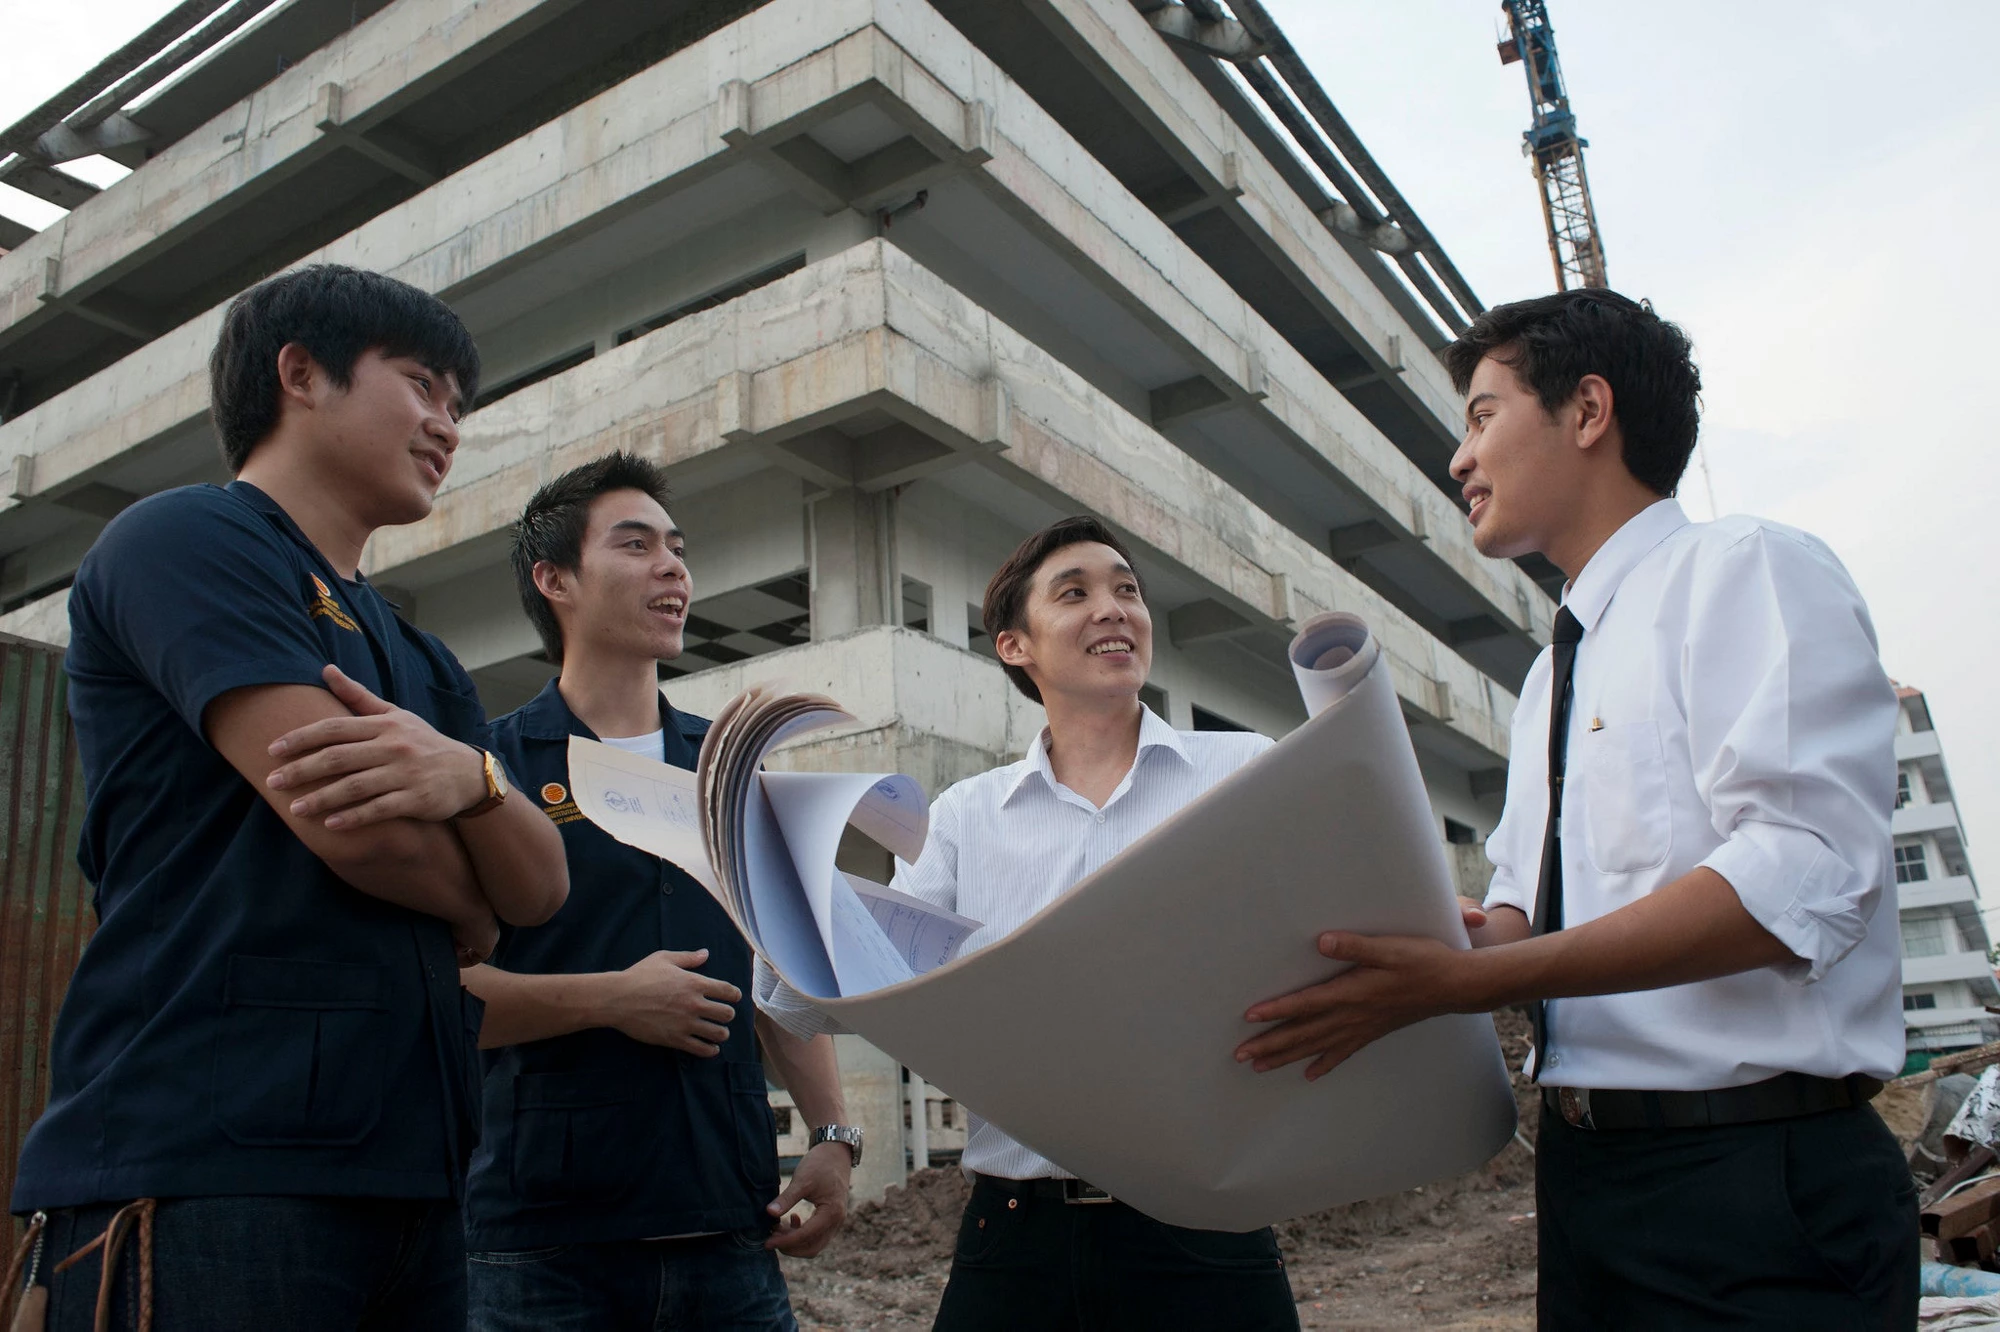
[
  {"x": 872, "y": 1084},
  {"x": 853, "y": 561},
  {"x": 920, "y": 1122}
]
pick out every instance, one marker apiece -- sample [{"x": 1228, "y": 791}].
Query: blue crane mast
[{"x": 1552, "y": 143}]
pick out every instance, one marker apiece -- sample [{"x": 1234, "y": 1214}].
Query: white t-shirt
[{"x": 652, "y": 745}]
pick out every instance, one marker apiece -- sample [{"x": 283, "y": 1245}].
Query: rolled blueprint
[{"x": 1101, "y": 1033}]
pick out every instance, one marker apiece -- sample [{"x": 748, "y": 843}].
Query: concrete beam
[
  {"x": 1186, "y": 400},
  {"x": 64, "y": 144},
  {"x": 48, "y": 184},
  {"x": 388, "y": 61},
  {"x": 1348, "y": 543},
  {"x": 1202, "y": 619},
  {"x": 384, "y": 145},
  {"x": 1111, "y": 35},
  {"x": 1473, "y": 629},
  {"x": 104, "y": 309},
  {"x": 1225, "y": 40},
  {"x": 95, "y": 499},
  {"x": 1487, "y": 782}
]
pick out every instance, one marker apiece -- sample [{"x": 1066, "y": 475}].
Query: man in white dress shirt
[
  {"x": 1037, "y": 1248},
  {"x": 1703, "y": 934}
]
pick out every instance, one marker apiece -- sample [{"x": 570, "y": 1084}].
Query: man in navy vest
[
  {"x": 628, "y": 1176},
  {"x": 262, "y": 1073}
]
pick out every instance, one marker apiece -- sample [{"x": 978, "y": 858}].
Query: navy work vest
[{"x": 595, "y": 1136}]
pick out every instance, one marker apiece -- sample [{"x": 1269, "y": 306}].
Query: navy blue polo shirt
[
  {"x": 243, "y": 1021},
  {"x": 594, "y": 1136}
]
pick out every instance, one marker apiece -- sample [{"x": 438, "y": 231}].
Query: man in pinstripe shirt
[{"x": 1038, "y": 1248}]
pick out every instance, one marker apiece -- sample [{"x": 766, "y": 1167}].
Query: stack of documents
[{"x": 1100, "y": 1033}]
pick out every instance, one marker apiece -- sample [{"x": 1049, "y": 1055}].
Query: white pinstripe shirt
[{"x": 1008, "y": 842}]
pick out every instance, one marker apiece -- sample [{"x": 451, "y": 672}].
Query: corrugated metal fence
[{"x": 45, "y": 914}]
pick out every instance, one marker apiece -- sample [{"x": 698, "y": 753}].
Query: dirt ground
[{"x": 1457, "y": 1254}]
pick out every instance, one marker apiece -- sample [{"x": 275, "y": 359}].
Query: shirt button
[
  {"x": 1100, "y": 816},
  {"x": 1555, "y": 1060}
]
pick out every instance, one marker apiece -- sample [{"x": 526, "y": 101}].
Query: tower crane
[{"x": 1552, "y": 142}]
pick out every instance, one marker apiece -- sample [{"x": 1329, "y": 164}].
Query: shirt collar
[
  {"x": 1591, "y": 591},
  {"x": 275, "y": 511},
  {"x": 1154, "y": 733},
  {"x": 547, "y": 717}
]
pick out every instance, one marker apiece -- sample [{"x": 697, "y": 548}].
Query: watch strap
[
  {"x": 496, "y": 788},
  {"x": 845, "y": 1134}
]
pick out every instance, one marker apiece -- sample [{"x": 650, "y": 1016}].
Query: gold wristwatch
[{"x": 496, "y": 788}]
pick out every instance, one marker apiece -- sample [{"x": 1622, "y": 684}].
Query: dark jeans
[
  {"x": 1795, "y": 1223},
  {"x": 1043, "y": 1264},
  {"x": 714, "y": 1283},
  {"x": 254, "y": 1264}
]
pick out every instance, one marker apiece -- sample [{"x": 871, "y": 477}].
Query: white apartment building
[
  {"x": 1948, "y": 976},
  {"x": 886, "y": 284}
]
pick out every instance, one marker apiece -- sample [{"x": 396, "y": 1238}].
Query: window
[
  {"x": 1914, "y": 1002},
  {"x": 1204, "y": 720},
  {"x": 567, "y": 361},
  {"x": 916, "y": 604},
  {"x": 1459, "y": 834},
  {"x": 976, "y": 636},
  {"x": 1923, "y": 936},
  {"x": 1910, "y": 866},
  {"x": 720, "y": 296},
  {"x": 1902, "y": 789}
]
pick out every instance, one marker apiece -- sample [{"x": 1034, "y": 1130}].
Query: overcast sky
[{"x": 1812, "y": 189}]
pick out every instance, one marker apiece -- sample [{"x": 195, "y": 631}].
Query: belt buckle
[
  {"x": 1574, "y": 1104},
  {"x": 1079, "y": 1194}
]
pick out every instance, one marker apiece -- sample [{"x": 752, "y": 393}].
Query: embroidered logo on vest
[{"x": 322, "y": 606}]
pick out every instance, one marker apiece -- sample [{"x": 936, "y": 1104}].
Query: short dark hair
[
  {"x": 1552, "y": 342},
  {"x": 552, "y": 526},
  {"x": 336, "y": 313},
  {"x": 1006, "y": 604}
]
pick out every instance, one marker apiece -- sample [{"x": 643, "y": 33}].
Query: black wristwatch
[{"x": 844, "y": 1134}]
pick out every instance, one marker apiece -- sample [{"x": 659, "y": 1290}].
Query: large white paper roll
[{"x": 1101, "y": 1033}]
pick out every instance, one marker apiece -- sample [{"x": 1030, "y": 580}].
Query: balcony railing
[
  {"x": 1966, "y": 966},
  {"x": 1951, "y": 891},
  {"x": 1917, "y": 745},
  {"x": 1939, "y": 817}
]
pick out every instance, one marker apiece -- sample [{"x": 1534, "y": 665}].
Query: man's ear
[
  {"x": 1594, "y": 416},
  {"x": 1012, "y": 647},
  {"x": 300, "y": 378},
  {"x": 552, "y": 582}
]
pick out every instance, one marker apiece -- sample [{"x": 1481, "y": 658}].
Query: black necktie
[{"x": 1549, "y": 892}]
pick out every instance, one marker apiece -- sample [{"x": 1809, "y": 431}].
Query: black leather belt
[
  {"x": 1784, "y": 1097},
  {"x": 1047, "y": 1190}
]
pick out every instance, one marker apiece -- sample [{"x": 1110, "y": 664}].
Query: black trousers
[
  {"x": 1043, "y": 1265},
  {"x": 1794, "y": 1223}
]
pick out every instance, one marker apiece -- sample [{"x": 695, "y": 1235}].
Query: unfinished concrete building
[
  {"x": 1949, "y": 989},
  {"x": 886, "y": 283}
]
